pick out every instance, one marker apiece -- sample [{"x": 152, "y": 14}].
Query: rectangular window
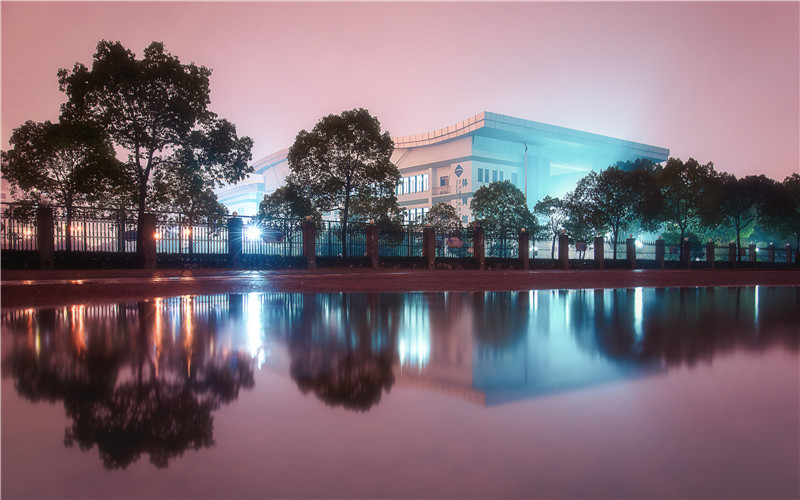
[
  {"x": 501, "y": 176},
  {"x": 405, "y": 185},
  {"x": 494, "y": 175},
  {"x": 443, "y": 181},
  {"x": 480, "y": 175},
  {"x": 425, "y": 182},
  {"x": 514, "y": 178}
]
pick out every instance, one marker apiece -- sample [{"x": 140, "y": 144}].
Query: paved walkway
[{"x": 50, "y": 288}]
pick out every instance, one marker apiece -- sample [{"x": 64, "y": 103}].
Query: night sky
[{"x": 716, "y": 81}]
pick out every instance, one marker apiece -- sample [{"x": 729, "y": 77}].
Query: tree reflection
[
  {"x": 344, "y": 347},
  {"x": 133, "y": 380}
]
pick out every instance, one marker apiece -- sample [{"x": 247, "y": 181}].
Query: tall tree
[
  {"x": 502, "y": 209},
  {"x": 156, "y": 109},
  {"x": 621, "y": 199},
  {"x": 344, "y": 157},
  {"x": 443, "y": 218},
  {"x": 690, "y": 193},
  {"x": 62, "y": 163},
  {"x": 747, "y": 200},
  {"x": 580, "y": 224},
  {"x": 553, "y": 213}
]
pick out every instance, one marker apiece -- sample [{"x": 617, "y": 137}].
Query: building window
[
  {"x": 444, "y": 180},
  {"x": 480, "y": 175},
  {"x": 514, "y": 178},
  {"x": 494, "y": 175},
  {"x": 412, "y": 184},
  {"x": 501, "y": 176}
]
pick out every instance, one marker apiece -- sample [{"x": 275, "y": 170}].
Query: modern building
[{"x": 448, "y": 165}]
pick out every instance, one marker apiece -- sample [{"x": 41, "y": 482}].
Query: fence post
[
  {"x": 372, "y": 245},
  {"x": 479, "y": 241},
  {"x": 524, "y": 250},
  {"x": 710, "y": 252},
  {"x": 235, "y": 226},
  {"x": 120, "y": 231},
  {"x": 563, "y": 250},
  {"x": 771, "y": 253},
  {"x": 630, "y": 252},
  {"x": 309, "y": 244},
  {"x": 788, "y": 253},
  {"x": 752, "y": 253},
  {"x": 45, "y": 237},
  {"x": 732, "y": 253},
  {"x": 661, "y": 248},
  {"x": 599, "y": 252},
  {"x": 429, "y": 246},
  {"x": 687, "y": 253},
  {"x": 148, "y": 238}
]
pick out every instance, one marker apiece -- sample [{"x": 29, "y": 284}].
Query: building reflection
[{"x": 146, "y": 377}]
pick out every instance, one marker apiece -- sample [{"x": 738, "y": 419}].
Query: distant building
[{"x": 450, "y": 164}]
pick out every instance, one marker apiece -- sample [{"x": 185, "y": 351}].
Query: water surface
[{"x": 689, "y": 392}]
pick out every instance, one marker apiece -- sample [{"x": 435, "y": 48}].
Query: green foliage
[
  {"x": 61, "y": 163},
  {"x": 749, "y": 200},
  {"x": 620, "y": 200},
  {"x": 690, "y": 192},
  {"x": 639, "y": 164},
  {"x": 344, "y": 164},
  {"x": 579, "y": 224},
  {"x": 784, "y": 218},
  {"x": 156, "y": 108},
  {"x": 502, "y": 209},
  {"x": 443, "y": 217},
  {"x": 553, "y": 214}
]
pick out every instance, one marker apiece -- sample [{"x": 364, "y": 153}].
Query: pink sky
[{"x": 716, "y": 81}]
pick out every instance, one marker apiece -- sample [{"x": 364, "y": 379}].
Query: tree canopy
[
  {"x": 63, "y": 163},
  {"x": 156, "y": 109},
  {"x": 344, "y": 161},
  {"x": 502, "y": 209},
  {"x": 443, "y": 217}
]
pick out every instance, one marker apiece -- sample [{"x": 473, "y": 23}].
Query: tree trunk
[
  {"x": 139, "y": 224},
  {"x": 553, "y": 246}
]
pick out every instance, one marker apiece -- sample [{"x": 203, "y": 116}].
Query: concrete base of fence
[
  {"x": 235, "y": 242},
  {"x": 599, "y": 252},
  {"x": 710, "y": 253},
  {"x": 524, "y": 249},
  {"x": 661, "y": 248},
  {"x": 563, "y": 251},
  {"x": 429, "y": 247},
  {"x": 372, "y": 246},
  {"x": 479, "y": 250},
  {"x": 630, "y": 252},
  {"x": 309, "y": 244},
  {"x": 45, "y": 237},
  {"x": 147, "y": 253}
]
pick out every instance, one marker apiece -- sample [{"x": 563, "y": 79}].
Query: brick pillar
[
  {"x": 429, "y": 247},
  {"x": 687, "y": 253},
  {"x": 310, "y": 244},
  {"x": 148, "y": 250},
  {"x": 732, "y": 253},
  {"x": 524, "y": 249},
  {"x": 372, "y": 246},
  {"x": 771, "y": 254},
  {"x": 710, "y": 253},
  {"x": 563, "y": 251},
  {"x": 235, "y": 227},
  {"x": 599, "y": 252},
  {"x": 630, "y": 252},
  {"x": 788, "y": 253},
  {"x": 45, "y": 237},
  {"x": 752, "y": 252},
  {"x": 480, "y": 246},
  {"x": 661, "y": 248}
]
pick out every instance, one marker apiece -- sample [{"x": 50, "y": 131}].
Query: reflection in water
[{"x": 145, "y": 378}]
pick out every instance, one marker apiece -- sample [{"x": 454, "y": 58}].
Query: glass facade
[{"x": 413, "y": 184}]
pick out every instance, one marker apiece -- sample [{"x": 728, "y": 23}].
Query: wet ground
[{"x": 49, "y": 288}]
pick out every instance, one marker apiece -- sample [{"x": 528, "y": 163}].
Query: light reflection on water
[{"x": 145, "y": 379}]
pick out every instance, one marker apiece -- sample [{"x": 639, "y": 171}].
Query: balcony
[{"x": 441, "y": 190}]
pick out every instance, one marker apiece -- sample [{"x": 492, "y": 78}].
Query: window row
[
  {"x": 485, "y": 175},
  {"x": 413, "y": 184},
  {"x": 414, "y": 214}
]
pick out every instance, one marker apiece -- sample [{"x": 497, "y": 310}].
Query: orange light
[{"x": 157, "y": 236}]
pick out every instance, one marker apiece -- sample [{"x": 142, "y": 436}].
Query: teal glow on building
[{"x": 448, "y": 165}]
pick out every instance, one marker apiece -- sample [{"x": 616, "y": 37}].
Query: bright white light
[
  {"x": 639, "y": 244},
  {"x": 252, "y": 233}
]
